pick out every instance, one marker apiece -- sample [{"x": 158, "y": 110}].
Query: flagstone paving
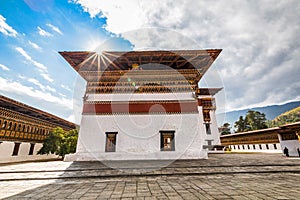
[{"x": 222, "y": 176}]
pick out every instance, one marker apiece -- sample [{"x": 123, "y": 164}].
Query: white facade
[
  {"x": 7, "y": 149},
  {"x": 292, "y": 146},
  {"x": 214, "y": 137},
  {"x": 138, "y": 136},
  {"x": 257, "y": 148}
]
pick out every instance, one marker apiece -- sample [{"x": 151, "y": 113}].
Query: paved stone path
[{"x": 222, "y": 176}]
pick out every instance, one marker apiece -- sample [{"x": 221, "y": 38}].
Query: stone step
[{"x": 123, "y": 172}]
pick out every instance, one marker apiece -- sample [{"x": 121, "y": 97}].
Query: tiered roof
[
  {"x": 87, "y": 61},
  {"x": 19, "y": 107}
]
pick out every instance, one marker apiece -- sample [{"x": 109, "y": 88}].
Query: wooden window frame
[
  {"x": 4, "y": 124},
  {"x": 16, "y": 149},
  {"x": 207, "y": 128},
  {"x": 109, "y": 136},
  {"x": 31, "y": 149},
  {"x": 164, "y": 145}
]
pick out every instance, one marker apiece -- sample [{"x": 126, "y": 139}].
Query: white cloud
[
  {"x": 47, "y": 77},
  {"x": 71, "y": 118},
  {"x": 42, "y": 68},
  {"x": 261, "y": 50},
  {"x": 54, "y": 28},
  {"x": 21, "y": 77},
  {"x": 62, "y": 95},
  {"x": 36, "y": 82},
  {"x": 6, "y": 29},
  {"x": 66, "y": 87},
  {"x": 121, "y": 16},
  {"x": 42, "y": 32},
  {"x": 34, "y": 45},
  {"x": 51, "y": 89},
  {"x": 24, "y": 53},
  {"x": 18, "y": 88},
  {"x": 3, "y": 67},
  {"x": 41, "y": 86}
]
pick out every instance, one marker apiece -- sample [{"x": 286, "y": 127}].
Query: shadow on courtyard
[{"x": 93, "y": 180}]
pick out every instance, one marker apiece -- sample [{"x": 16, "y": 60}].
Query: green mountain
[
  {"x": 271, "y": 112},
  {"x": 288, "y": 117}
]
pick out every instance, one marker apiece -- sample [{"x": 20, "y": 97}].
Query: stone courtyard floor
[{"x": 222, "y": 176}]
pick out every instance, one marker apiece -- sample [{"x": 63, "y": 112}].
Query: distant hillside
[
  {"x": 270, "y": 111},
  {"x": 288, "y": 117}
]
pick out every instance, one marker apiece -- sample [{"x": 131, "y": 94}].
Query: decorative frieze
[
  {"x": 140, "y": 107},
  {"x": 17, "y": 126}
]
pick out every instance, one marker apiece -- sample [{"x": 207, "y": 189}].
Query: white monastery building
[{"x": 145, "y": 105}]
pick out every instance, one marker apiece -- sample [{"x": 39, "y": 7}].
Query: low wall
[{"x": 7, "y": 148}]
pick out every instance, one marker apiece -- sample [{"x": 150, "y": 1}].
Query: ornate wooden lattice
[
  {"x": 142, "y": 71},
  {"x": 19, "y": 122},
  {"x": 264, "y": 136},
  {"x": 253, "y": 138}
]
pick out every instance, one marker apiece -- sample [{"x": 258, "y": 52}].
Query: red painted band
[{"x": 144, "y": 107}]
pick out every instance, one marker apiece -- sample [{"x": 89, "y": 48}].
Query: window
[
  {"x": 111, "y": 138},
  {"x": 207, "y": 127},
  {"x": 254, "y": 146},
  {"x": 260, "y": 146},
  {"x": 19, "y": 127},
  {"x": 289, "y": 136},
  {"x": 209, "y": 142},
  {"x": 248, "y": 146},
  {"x": 4, "y": 124},
  {"x": 243, "y": 146},
  {"x": 206, "y": 103},
  {"x": 167, "y": 141},
  {"x": 238, "y": 146},
  {"x": 206, "y": 115},
  {"x": 16, "y": 149},
  {"x": 31, "y": 149},
  {"x": 275, "y": 147},
  {"x": 267, "y": 146},
  {"x": 9, "y": 125},
  {"x": 14, "y": 127}
]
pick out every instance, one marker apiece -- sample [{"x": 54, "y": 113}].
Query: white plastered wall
[
  {"x": 292, "y": 146},
  {"x": 7, "y": 147},
  {"x": 139, "y": 137},
  {"x": 214, "y": 137}
]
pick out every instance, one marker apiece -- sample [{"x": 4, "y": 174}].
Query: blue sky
[
  {"x": 31, "y": 70},
  {"x": 259, "y": 64}
]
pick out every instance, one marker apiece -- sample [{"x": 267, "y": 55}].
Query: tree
[
  {"x": 240, "y": 125},
  {"x": 60, "y": 142},
  {"x": 225, "y": 129},
  {"x": 254, "y": 120}
]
